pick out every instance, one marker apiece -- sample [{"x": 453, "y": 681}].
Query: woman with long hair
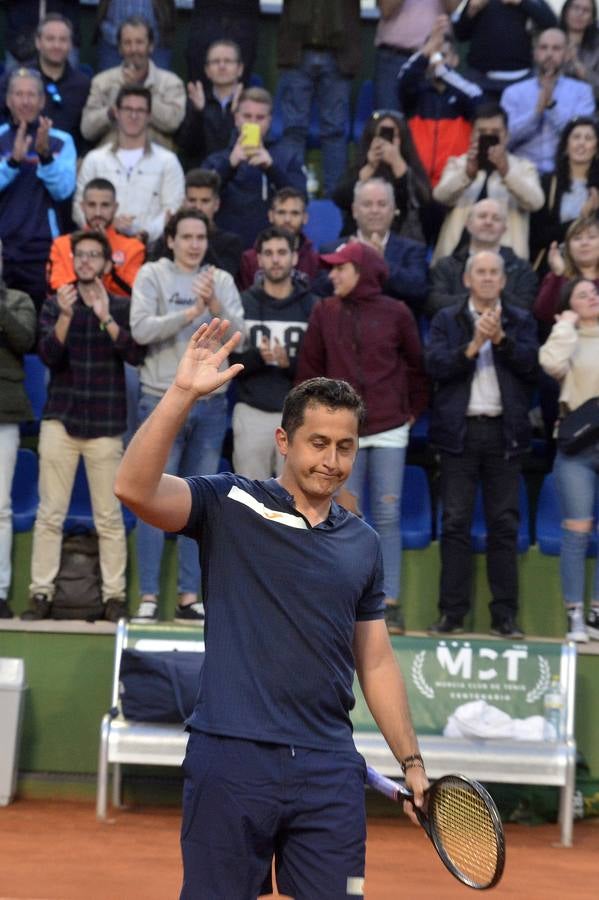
[
  {"x": 387, "y": 151},
  {"x": 579, "y": 258},
  {"x": 578, "y": 19}
]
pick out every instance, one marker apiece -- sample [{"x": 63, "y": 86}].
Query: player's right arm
[{"x": 159, "y": 499}]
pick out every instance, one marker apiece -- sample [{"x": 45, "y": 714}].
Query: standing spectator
[
  {"x": 209, "y": 119},
  {"x": 578, "y": 19},
  {"x": 499, "y": 43},
  {"x": 148, "y": 178},
  {"x": 538, "y": 108},
  {"x": 37, "y": 172},
  {"x": 276, "y": 313},
  {"x": 403, "y": 28},
  {"x": 486, "y": 224},
  {"x": 66, "y": 87},
  {"x": 385, "y": 364},
  {"x": 171, "y": 299},
  {"x": 217, "y": 20},
  {"x": 136, "y": 40},
  {"x": 482, "y": 356},
  {"x": 318, "y": 54},
  {"x": 488, "y": 170},
  {"x": 85, "y": 342},
  {"x": 17, "y": 335},
  {"x": 252, "y": 169},
  {"x": 288, "y": 211},
  {"x": 23, "y": 18},
  {"x": 160, "y": 16},
  {"x": 571, "y": 355}
]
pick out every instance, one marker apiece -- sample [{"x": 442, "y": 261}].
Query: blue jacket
[
  {"x": 515, "y": 364},
  {"x": 30, "y": 192},
  {"x": 246, "y": 191}
]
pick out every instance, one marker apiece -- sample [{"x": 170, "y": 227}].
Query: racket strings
[{"x": 465, "y": 832}]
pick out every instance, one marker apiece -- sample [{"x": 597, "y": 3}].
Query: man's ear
[{"x": 282, "y": 441}]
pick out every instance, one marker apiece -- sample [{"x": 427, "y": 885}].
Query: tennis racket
[{"x": 463, "y": 823}]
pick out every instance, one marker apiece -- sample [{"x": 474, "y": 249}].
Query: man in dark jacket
[
  {"x": 276, "y": 313},
  {"x": 486, "y": 224},
  {"x": 482, "y": 355}
]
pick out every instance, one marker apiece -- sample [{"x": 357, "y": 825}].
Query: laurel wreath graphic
[
  {"x": 418, "y": 677},
  {"x": 543, "y": 681}
]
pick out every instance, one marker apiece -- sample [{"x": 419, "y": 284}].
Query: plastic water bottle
[
  {"x": 554, "y": 706},
  {"x": 312, "y": 183}
]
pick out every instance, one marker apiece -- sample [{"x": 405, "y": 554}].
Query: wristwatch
[{"x": 436, "y": 58}]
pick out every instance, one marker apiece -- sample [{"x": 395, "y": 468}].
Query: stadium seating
[
  {"x": 25, "y": 498},
  {"x": 324, "y": 222},
  {"x": 548, "y": 522},
  {"x": 36, "y": 378},
  {"x": 363, "y": 110}
]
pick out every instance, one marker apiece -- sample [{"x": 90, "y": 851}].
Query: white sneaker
[
  {"x": 147, "y": 614},
  {"x": 576, "y": 628}
]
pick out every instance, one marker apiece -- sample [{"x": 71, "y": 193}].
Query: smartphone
[
  {"x": 484, "y": 142},
  {"x": 250, "y": 134},
  {"x": 387, "y": 133}
]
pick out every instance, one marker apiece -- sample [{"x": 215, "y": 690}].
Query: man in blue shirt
[{"x": 292, "y": 586}]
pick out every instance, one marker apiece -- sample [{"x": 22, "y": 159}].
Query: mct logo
[{"x": 465, "y": 663}]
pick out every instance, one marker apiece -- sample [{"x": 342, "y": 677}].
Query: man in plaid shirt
[{"x": 84, "y": 341}]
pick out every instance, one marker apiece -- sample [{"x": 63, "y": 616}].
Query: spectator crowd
[{"x": 461, "y": 284}]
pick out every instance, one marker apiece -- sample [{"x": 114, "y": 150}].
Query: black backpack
[{"x": 78, "y": 585}]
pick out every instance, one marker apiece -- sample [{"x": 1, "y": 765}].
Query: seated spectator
[
  {"x": 288, "y": 211},
  {"x": 385, "y": 364},
  {"x": 99, "y": 208},
  {"x": 438, "y": 102},
  {"x": 84, "y": 340},
  {"x": 571, "y": 190},
  {"x": 37, "y": 172},
  {"x": 160, "y": 16},
  {"x": 486, "y": 224},
  {"x": 499, "y": 43},
  {"x": 538, "y": 108},
  {"x": 171, "y": 299},
  {"x": 276, "y": 315},
  {"x": 578, "y": 20},
  {"x": 579, "y": 259},
  {"x": 148, "y": 178},
  {"x": 488, "y": 170},
  {"x": 66, "y": 87},
  {"x": 387, "y": 151},
  {"x": 22, "y": 19},
  {"x": 252, "y": 169},
  {"x": 136, "y": 40},
  {"x": 217, "y": 20},
  {"x": 209, "y": 119},
  {"x": 17, "y": 336},
  {"x": 373, "y": 211}
]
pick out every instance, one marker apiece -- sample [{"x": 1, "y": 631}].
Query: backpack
[{"x": 78, "y": 585}]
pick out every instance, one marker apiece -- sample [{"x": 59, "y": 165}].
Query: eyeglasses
[
  {"x": 88, "y": 254},
  {"x": 133, "y": 111},
  {"x": 54, "y": 94}
]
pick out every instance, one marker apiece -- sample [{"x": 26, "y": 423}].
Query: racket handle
[{"x": 386, "y": 786}]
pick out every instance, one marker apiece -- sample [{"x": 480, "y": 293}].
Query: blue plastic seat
[
  {"x": 416, "y": 511},
  {"x": 419, "y": 431},
  {"x": 80, "y": 516},
  {"x": 24, "y": 495},
  {"x": 549, "y": 521},
  {"x": 324, "y": 222},
  {"x": 363, "y": 110},
  {"x": 36, "y": 378},
  {"x": 478, "y": 531}
]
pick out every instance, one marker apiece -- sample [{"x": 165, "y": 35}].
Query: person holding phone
[{"x": 488, "y": 170}]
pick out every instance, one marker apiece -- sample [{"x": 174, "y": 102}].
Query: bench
[{"x": 434, "y": 671}]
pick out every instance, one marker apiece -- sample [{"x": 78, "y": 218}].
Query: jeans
[
  {"x": 196, "y": 451},
  {"x": 387, "y": 64},
  {"x": 483, "y": 461},
  {"x": 9, "y": 444},
  {"x": 378, "y": 473},
  {"x": 576, "y": 481},
  {"x": 317, "y": 77}
]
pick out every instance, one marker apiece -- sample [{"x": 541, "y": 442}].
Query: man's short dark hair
[
  {"x": 489, "y": 111},
  {"x": 135, "y": 22},
  {"x": 329, "y": 392},
  {"x": 134, "y": 90},
  {"x": 99, "y": 184},
  {"x": 223, "y": 42},
  {"x": 275, "y": 233},
  {"x": 201, "y": 178},
  {"x": 54, "y": 17},
  {"x": 98, "y": 236},
  {"x": 171, "y": 226},
  {"x": 287, "y": 193}
]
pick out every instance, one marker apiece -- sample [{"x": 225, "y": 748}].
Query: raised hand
[
  {"x": 195, "y": 92},
  {"x": 199, "y": 370},
  {"x": 42, "y": 136},
  {"x": 100, "y": 301},
  {"x": 21, "y": 143},
  {"x": 556, "y": 259},
  {"x": 65, "y": 297}
]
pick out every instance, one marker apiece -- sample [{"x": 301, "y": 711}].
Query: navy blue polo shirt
[{"x": 282, "y": 599}]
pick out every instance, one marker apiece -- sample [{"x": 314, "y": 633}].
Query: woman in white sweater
[{"x": 571, "y": 355}]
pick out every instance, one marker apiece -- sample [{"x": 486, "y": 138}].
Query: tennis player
[{"x": 293, "y": 590}]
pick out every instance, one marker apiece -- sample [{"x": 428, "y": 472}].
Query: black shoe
[
  {"x": 506, "y": 628},
  {"x": 192, "y": 614},
  {"x": 446, "y": 625},
  {"x": 39, "y": 609},
  {"x": 394, "y": 619},
  {"x": 115, "y": 610},
  {"x": 5, "y": 610}
]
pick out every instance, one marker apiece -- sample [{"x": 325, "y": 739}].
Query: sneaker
[
  {"x": 39, "y": 608},
  {"x": 147, "y": 614},
  {"x": 576, "y": 628},
  {"x": 394, "y": 619},
  {"x": 115, "y": 610},
  {"x": 190, "y": 615},
  {"x": 506, "y": 628},
  {"x": 592, "y": 623},
  {"x": 446, "y": 625},
  {"x": 5, "y": 610}
]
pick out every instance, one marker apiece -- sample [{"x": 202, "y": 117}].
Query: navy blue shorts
[{"x": 245, "y": 802}]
